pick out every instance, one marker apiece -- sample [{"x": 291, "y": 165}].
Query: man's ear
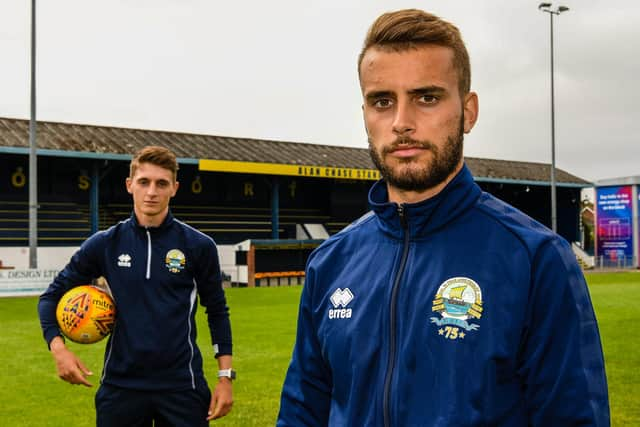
[
  {"x": 127, "y": 183},
  {"x": 471, "y": 110},
  {"x": 175, "y": 188}
]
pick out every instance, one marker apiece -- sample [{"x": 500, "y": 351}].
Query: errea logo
[
  {"x": 124, "y": 260},
  {"x": 340, "y": 298}
]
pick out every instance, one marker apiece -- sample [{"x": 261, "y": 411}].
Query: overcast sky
[{"x": 286, "y": 70}]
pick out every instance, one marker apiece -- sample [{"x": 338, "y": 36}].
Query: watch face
[{"x": 227, "y": 373}]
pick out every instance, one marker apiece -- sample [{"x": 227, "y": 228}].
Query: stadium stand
[
  {"x": 227, "y": 183},
  {"x": 227, "y": 224},
  {"x": 59, "y": 223}
]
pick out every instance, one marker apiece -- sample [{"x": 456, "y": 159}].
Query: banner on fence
[{"x": 25, "y": 282}]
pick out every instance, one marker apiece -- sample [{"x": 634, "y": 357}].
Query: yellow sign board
[{"x": 288, "y": 170}]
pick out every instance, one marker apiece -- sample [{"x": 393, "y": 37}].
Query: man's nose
[
  {"x": 152, "y": 189},
  {"x": 404, "y": 119}
]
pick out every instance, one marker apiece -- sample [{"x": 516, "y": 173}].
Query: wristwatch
[{"x": 227, "y": 373}]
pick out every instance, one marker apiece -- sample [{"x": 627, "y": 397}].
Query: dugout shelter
[{"x": 233, "y": 189}]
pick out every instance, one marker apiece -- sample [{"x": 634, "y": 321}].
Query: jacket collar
[
  {"x": 165, "y": 224},
  {"x": 424, "y": 217}
]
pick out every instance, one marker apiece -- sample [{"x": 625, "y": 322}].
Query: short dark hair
[
  {"x": 409, "y": 29},
  {"x": 155, "y": 155}
]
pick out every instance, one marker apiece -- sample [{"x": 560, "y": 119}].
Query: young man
[
  {"x": 443, "y": 306},
  {"x": 155, "y": 267}
]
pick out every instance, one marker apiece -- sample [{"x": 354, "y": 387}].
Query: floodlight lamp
[
  {"x": 562, "y": 9},
  {"x": 544, "y": 6}
]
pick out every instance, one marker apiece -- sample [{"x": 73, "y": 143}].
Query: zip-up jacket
[
  {"x": 455, "y": 311},
  {"x": 154, "y": 275}
]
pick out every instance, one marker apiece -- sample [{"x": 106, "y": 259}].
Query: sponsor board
[{"x": 25, "y": 282}]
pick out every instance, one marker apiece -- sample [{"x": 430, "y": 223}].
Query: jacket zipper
[
  {"x": 148, "y": 274},
  {"x": 392, "y": 318}
]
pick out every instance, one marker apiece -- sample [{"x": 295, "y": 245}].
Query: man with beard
[{"x": 443, "y": 306}]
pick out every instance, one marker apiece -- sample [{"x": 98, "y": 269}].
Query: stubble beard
[{"x": 412, "y": 176}]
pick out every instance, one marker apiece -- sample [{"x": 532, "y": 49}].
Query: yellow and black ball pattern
[{"x": 86, "y": 314}]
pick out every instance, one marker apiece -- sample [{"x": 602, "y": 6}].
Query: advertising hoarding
[{"x": 615, "y": 223}]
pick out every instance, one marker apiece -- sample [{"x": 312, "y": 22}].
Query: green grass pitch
[{"x": 264, "y": 321}]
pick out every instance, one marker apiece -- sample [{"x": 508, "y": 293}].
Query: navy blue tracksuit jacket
[
  {"x": 455, "y": 311},
  {"x": 155, "y": 275}
]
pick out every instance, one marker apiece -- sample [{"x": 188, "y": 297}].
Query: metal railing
[{"x": 620, "y": 262}]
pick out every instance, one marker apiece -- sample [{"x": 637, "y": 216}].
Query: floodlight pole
[
  {"x": 33, "y": 160},
  {"x": 546, "y": 7}
]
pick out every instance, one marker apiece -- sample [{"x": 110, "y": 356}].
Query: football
[{"x": 86, "y": 314}]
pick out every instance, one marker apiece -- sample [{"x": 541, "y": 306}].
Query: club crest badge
[
  {"x": 175, "y": 260},
  {"x": 458, "y": 303}
]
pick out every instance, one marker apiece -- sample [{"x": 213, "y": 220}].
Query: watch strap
[{"x": 227, "y": 373}]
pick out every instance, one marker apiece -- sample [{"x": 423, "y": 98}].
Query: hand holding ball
[{"x": 86, "y": 314}]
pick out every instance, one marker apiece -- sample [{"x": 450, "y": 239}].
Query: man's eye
[
  {"x": 382, "y": 103},
  {"x": 428, "y": 99}
]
